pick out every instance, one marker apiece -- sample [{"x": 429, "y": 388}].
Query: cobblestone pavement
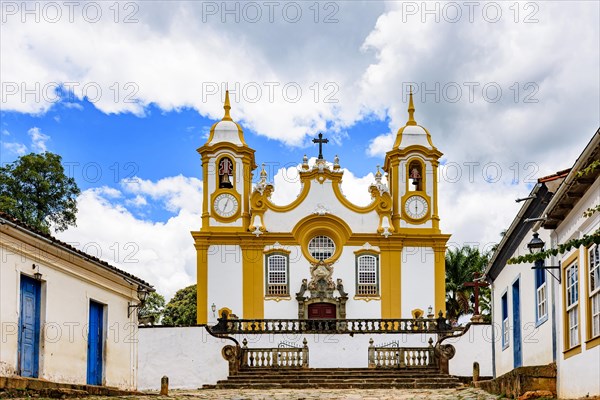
[{"x": 324, "y": 394}]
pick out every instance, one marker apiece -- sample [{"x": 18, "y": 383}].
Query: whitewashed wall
[
  {"x": 67, "y": 288},
  {"x": 536, "y": 338},
  {"x": 344, "y": 268},
  {"x": 418, "y": 279},
  {"x": 225, "y": 279},
  {"x": 578, "y": 376},
  {"x": 193, "y": 358},
  {"x": 321, "y": 194}
]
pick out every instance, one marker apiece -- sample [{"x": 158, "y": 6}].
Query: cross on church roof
[{"x": 320, "y": 140}]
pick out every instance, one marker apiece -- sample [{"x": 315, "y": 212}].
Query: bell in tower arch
[
  {"x": 415, "y": 175},
  {"x": 225, "y": 173}
]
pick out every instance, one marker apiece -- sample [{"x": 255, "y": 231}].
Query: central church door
[{"x": 321, "y": 311}]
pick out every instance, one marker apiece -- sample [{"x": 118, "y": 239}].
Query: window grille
[
  {"x": 367, "y": 276},
  {"x": 321, "y": 247},
  {"x": 505, "y": 323},
  {"x": 277, "y": 275},
  {"x": 594, "y": 279},
  {"x": 541, "y": 294},
  {"x": 572, "y": 302}
]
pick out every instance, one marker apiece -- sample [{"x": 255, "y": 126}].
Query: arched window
[
  {"x": 367, "y": 275},
  {"x": 321, "y": 248},
  {"x": 225, "y": 170},
  {"x": 277, "y": 274},
  {"x": 415, "y": 176}
]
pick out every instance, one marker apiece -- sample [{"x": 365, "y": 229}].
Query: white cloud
[
  {"x": 38, "y": 139},
  {"x": 373, "y": 55},
  {"x": 177, "y": 192},
  {"x": 381, "y": 145},
  {"x": 161, "y": 253},
  {"x": 16, "y": 148},
  {"x": 137, "y": 201},
  {"x": 287, "y": 185}
]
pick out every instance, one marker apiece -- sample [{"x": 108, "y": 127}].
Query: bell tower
[
  {"x": 412, "y": 166},
  {"x": 412, "y": 174},
  {"x": 227, "y": 165}
]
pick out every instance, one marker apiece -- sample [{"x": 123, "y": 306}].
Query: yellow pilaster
[
  {"x": 435, "y": 217},
  {"x": 391, "y": 306},
  {"x": 205, "y": 214},
  {"x": 202, "y": 283},
  {"x": 253, "y": 282},
  {"x": 440, "y": 279}
]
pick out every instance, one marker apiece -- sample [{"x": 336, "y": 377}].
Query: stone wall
[
  {"x": 523, "y": 379},
  {"x": 190, "y": 357}
]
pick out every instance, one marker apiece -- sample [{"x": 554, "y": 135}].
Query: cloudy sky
[{"x": 126, "y": 92}]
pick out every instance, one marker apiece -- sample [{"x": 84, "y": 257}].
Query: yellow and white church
[{"x": 321, "y": 256}]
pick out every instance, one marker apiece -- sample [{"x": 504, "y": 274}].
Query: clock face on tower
[
  {"x": 416, "y": 207},
  {"x": 225, "y": 205}
]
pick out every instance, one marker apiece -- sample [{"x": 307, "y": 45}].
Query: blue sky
[
  {"x": 509, "y": 92},
  {"x": 101, "y": 149}
]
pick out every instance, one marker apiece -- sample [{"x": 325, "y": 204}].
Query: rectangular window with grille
[
  {"x": 505, "y": 323},
  {"x": 277, "y": 274},
  {"x": 367, "y": 275},
  {"x": 572, "y": 304},
  {"x": 594, "y": 289},
  {"x": 541, "y": 296}
]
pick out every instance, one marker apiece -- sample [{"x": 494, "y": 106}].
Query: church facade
[{"x": 321, "y": 256}]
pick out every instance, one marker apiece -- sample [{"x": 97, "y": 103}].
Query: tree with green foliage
[
  {"x": 154, "y": 306},
  {"x": 461, "y": 265},
  {"x": 181, "y": 309},
  {"x": 35, "y": 189}
]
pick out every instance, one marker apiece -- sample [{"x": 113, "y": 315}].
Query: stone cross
[
  {"x": 320, "y": 140},
  {"x": 476, "y": 284}
]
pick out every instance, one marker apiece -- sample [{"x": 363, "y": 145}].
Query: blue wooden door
[
  {"x": 29, "y": 327},
  {"x": 95, "y": 344},
  {"x": 516, "y": 306}
]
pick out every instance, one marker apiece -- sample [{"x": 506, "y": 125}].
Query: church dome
[
  {"x": 412, "y": 134},
  {"x": 226, "y": 130}
]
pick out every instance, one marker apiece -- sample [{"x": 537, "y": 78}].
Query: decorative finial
[
  {"x": 227, "y": 107},
  {"x": 378, "y": 174},
  {"x": 336, "y": 162},
  {"x": 305, "y": 162},
  {"x": 411, "y": 109},
  {"x": 263, "y": 173}
]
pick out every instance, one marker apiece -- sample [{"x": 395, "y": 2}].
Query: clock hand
[{"x": 226, "y": 203}]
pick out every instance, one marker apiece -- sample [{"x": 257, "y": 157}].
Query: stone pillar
[
  {"x": 475, "y": 372},
  {"x": 371, "y": 354},
  {"x": 164, "y": 386},
  {"x": 305, "y": 353}
]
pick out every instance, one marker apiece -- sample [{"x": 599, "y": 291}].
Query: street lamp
[
  {"x": 37, "y": 275},
  {"x": 142, "y": 294},
  {"x": 535, "y": 246}
]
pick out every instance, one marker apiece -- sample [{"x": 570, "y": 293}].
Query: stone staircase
[{"x": 338, "y": 378}]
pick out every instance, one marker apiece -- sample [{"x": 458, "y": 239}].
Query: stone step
[
  {"x": 332, "y": 376},
  {"x": 372, "y": 371},
  {"x": 284, "y": 370},
  {"x": 340, "y": 377},
  {"x": 337, "y": 385},
  {"x": 319, "y": 382}
]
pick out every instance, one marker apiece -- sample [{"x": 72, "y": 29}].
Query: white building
[
  {"x": 551, "y": 313},
  {"x": 577, "y": 301},
  {"x": 521, "y": 296},
  {"x": 65, "y": 316},
  {"x": 383, "y": 260}
]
